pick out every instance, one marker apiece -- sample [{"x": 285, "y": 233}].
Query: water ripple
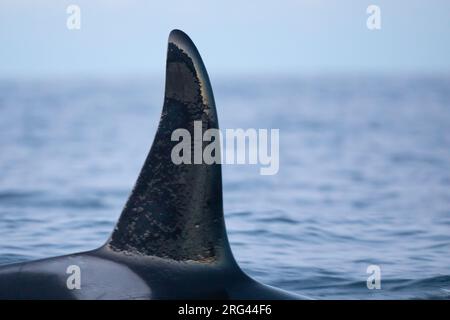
[{"x": 363, "y": 180}]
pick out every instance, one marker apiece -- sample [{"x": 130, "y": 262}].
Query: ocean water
[{"x": 364, "y": 176}]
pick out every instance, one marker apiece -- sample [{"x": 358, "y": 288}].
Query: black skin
[{"x": 170, "y": 241}]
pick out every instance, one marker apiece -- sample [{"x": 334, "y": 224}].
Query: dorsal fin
[{"x": 176, "y": 211}]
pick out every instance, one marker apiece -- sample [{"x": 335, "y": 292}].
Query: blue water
[{"x": 364, "y": 176}]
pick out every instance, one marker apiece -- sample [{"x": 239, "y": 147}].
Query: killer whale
[{"x": 170, "y": 241}]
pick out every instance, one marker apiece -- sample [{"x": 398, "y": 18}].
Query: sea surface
[{"x": 364, "y": 175}]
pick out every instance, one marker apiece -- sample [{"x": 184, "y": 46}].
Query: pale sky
[{"x": 234, "y": 37}]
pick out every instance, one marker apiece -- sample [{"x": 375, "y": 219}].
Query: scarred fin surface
[{"x": 175, "y": 211}]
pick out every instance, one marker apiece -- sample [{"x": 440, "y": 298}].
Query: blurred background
[{"x": 364, "y": 119}]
